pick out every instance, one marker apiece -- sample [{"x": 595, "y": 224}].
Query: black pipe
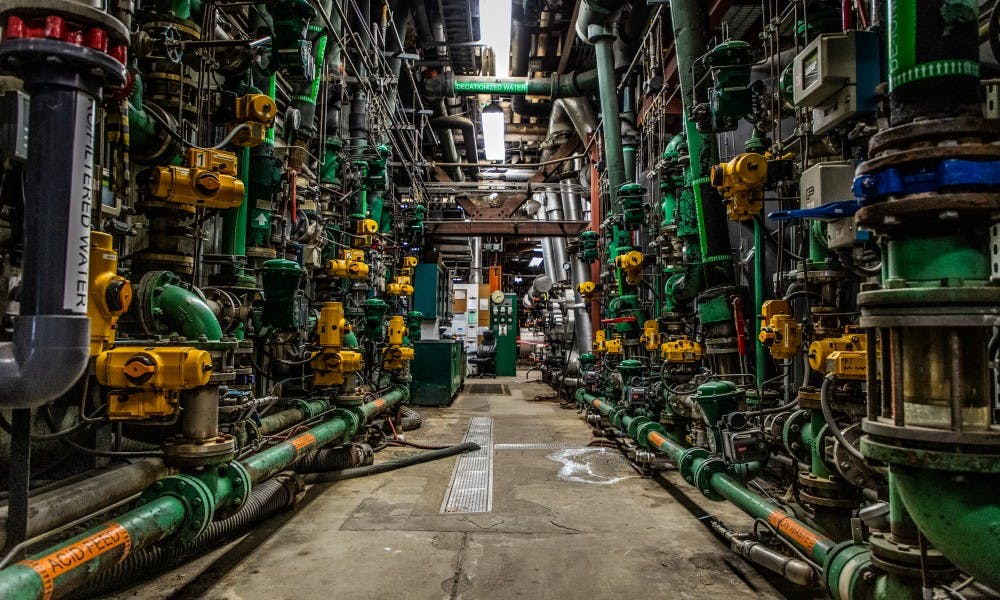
[
  {"x": 392, "y": 465},
  {"x": 265, "y": 500},
  {"x": 468, "y": 128}
]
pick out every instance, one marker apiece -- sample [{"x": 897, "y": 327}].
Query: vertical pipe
[
  {"x": 759, "y": 266},
  {"x": 603, "y": 41}
]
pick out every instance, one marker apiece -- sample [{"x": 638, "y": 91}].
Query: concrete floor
[{"x": 566, "y": 522}]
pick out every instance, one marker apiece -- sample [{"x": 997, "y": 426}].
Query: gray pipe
[
  {"x": 579, "y": 270},
  {"x": 520, "y": 49},
  {"x": 51, "y": 344},
  {"x": 63, "y": 505},
  {"x": 580, "y": 114},
  {"x": 475, "y": 275},
  {"x": 554, "y": 212}
]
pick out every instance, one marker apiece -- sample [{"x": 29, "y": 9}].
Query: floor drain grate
[
  {"x": 471, "y": 486},
  {"x": 487, "y": 389},
  {"x": 535, "y": 446}
]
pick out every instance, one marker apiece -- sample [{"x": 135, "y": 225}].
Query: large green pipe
[
  {"x": 182, "y": 503},
  {"x": 847, "y": 567},
  {"x": 758, "y": 298},
  {"x": 61, "y": 569},
  {"x": 690, "y": 22},
  {"x": 958, "y": 513}
]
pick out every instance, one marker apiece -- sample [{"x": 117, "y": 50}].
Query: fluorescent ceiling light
[
  {"x": 495, "y": 27},
  {"x": 535, "y": 261},
  {"x": 493, "y": 132}
]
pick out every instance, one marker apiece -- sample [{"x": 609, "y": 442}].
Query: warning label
[
  {"x": 77, "y": 554},
  {"x": 301, "y": 442}
]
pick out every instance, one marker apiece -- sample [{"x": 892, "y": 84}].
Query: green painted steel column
[
  {"x": 759, "y": 266},
  {"x": 61, "y": 569},
  {"x": 603, "y": 40},
  {"x": 234, "y": 220}
]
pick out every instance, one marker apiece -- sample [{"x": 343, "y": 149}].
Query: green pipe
[
  {"x": 268, "y": 463},
  {"x": 272, "y": 90},
  {"x": 286, "y": 418},
  {"x": 759, "y": 266},
  {"x": 603, "y": 40},
  {"x": 57, "y": 571},
  {"x": 182, "y": 504},
  {"x": 182, "y": 311},
  {"x": 958, "y": 513},
  {"x": 698, "y": 467},
  {"x": 568, "y": 85},
  {"x": 234, "y": 220}
]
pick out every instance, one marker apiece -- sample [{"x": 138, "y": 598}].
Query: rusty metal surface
[
  {"x": 937, "y": 130},
  {"x": 936, "y": 208}
]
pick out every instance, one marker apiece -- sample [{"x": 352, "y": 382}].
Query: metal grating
[
  {"x": 471, "y": 486},
  {"x": 536, "y": 446},
  {"x": 487, "y": 389}
]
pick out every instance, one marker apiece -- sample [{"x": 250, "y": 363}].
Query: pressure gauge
[{"x": 497, "y": 297}]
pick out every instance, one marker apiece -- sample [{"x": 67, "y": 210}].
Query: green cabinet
[
  {"x": 438, "y": 371},
  {"x": 432, "y": 291},
  {"x": 503, "y": 322}
]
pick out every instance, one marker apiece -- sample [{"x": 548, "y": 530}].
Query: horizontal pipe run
[
  {"x": 63, "y": 505},
  {"x": 63, "y": 568},
  {"x": 803, "y": 537}
]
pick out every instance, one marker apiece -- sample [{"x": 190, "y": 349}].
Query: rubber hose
[
  {"x": 266, "y": 499},
  {"x": 391, "y": 465},
  {"x": 330, "y": 459},
  {"x": 409, "y": 419}
]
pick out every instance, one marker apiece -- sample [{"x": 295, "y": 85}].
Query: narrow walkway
[{"x": 566, "y": 521}]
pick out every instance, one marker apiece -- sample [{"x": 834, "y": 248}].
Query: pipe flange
[
  {"x": 703, "y": 477},
  {"x": 791, "y": 435},
  {"x": 182, "y": 452},
  {"x": 969, "y": 461},
  {"x": 239, "y": 479},
  {"x": 849, "y": 571},
  {"x": 686, "y": 462},
  {"x": 633, "y": 427},
  {"x": 353, "y": 418},
  {"x": 90, "y": 70},
  {"x": 198, "y": 500},
  {"x": 645, "y": 430},
  {"x": 905, "y": 560},
  {"x": 934, "y": 130},
  {"x": 304, "y": 407},
  {"x": 932, "y": 209}
]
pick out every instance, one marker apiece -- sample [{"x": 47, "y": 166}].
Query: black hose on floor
[
  {"x": 329, "y": 459},
  {"x": 391, "y": 465},
  {"x": 265, "y": 500}
]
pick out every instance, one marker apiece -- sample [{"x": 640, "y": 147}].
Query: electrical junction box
[
  {"x": 836, "y": 76},
  {"x": 741, "y": 447},
  {"x": 825, "y": 183},
  {"x": 832, "y": 182}
]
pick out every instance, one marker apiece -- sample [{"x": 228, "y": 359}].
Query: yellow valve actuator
[
  {"x": 110, "y": 294},
  {"x": 779, "y": 331},
  {"x": 741, "y": 182}
]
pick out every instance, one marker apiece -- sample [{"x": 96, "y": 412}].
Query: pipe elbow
[
  {"x": 48, "y": 355},
  {"x": 595, "y": 12},
  {"x": 166, "y": 307}
]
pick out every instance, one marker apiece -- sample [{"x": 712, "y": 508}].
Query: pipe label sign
[
  {"x": 77, "y": 278},
  {"x": 78, "y": 553}
]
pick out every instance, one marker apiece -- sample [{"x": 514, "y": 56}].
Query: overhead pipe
[
  {"x": 468, "y": 129},
  {"x": 593, "y": 27},
  {"x": 65, "y": 82},
  {"x": 520, "y": 49},
  {"x": 557, "y": 86},
  {"x": 182, "y": 505},
  {"x": 579, "y": 271}
]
